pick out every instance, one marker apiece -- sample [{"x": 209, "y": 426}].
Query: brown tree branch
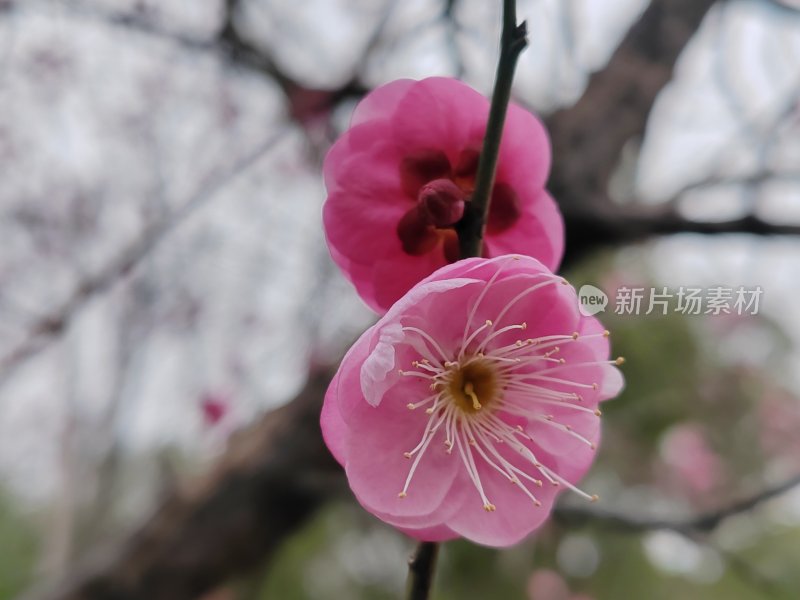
[
  {"x": 589, "y": 136},
  {"x": 613, "y": 226},
  {"x": 421, "y": 568}
]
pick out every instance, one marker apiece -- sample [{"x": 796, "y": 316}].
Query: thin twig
[
  {"x": 512, "y": 43},
  {"x": 702, "y": 523},
  {"x": 421, "y": 567},
  {"x": 470, "y": 229}
]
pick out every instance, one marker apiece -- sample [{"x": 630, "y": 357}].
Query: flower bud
[{"x": 441, "y": 202}]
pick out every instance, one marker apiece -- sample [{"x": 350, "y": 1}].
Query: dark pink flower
[
  {"x": 472, "y": 402},
  {"x": 398, "y": 179}
]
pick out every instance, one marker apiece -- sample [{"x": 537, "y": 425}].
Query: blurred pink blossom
[
  {"x": 779, "y": 420},
  {"x": 472, "y": 402},
  {"x": 686, "y": 451},
  {"x": 399, "y": 178},
  {"x": 214, "y": 407},
  {"x": 546, "y": 584}
]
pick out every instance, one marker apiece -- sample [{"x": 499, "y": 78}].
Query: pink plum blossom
[
  {"x": 398, "y": 179},
  {"x": 695, "y": 465},
  {"x": 472, "y": 402}
]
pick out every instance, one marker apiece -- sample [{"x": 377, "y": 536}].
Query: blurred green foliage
[{"x": 18, "y": 549}]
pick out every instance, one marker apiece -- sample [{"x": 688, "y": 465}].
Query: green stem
[
  {"x": 421, "y": 566},
  {"x": 472, "y": 225}
]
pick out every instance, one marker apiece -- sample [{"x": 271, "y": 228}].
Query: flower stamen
[
  {"x": 469, "y": 390},
  {"x": 481, "y": 387}
]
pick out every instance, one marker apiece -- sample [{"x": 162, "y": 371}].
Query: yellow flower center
[{"x": 473, "y": 387}]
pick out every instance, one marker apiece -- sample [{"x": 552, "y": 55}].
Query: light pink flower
[
  {"x": 693, "y": 462},
  {"x": 472, "y": 402},
  {"x": 398, "y": 179}
]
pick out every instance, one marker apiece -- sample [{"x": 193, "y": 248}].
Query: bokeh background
[{"x": 169, "y": 314}]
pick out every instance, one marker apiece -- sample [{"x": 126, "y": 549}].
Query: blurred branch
[
  {"x": 49, "y": 326},
  {"x": 702, "y": 523},
  {"x": 234, "y": 48},
  {"x": 454, "y": 27},
  {"x": 136, "y": 20},
  {"x": 270, "y": 481},
  {"x": 765, "y": 176},
  {"x": 589, "y": 136},
  {"x": 615, "y": 225}
]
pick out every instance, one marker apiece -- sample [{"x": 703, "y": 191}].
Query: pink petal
[
  {"x": 515, "y": 515},
  {"x": 440, "y": 113},
  {"x": 568, "y": 456},
  {"x": 524, "y": 159},
  {"x": 334, "y": 429},
  {"x": 438, "y": 533},
  {"x": 381, "y": 102},
  {"x": 377, "y": 470},
  {"x": 379, "y": 369},
  {"x": 393, "y": 275},
  {"x": 539, "y": 232}
]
